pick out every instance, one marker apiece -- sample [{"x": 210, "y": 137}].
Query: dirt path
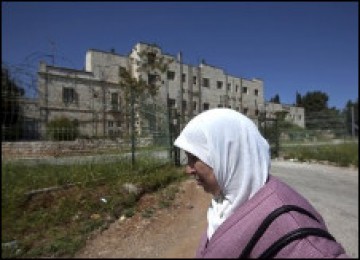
[{"x": 172, "y": 232}]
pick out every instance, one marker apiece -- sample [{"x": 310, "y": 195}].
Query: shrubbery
[{"x": 62, "y": 129}]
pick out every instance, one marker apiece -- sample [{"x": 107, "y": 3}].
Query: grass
[
  {"x": 57, "y": 223},
  {"x": 345, "y": 154}
]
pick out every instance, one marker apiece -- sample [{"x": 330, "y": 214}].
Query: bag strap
[
  {"x": 266, "y": 223},
  {"x": 294, "y": 235}
]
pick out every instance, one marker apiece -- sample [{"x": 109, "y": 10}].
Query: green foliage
[
  {"x": 327, "y": 119},
  {"x": 62, "y": 129},
  {"x": 317, "y": 113},
  {"x": 57, "y": 223},
  {"x": 275, "y": 99},
  {"x": 152, "y": 64},
  {"x": 314, "y": 101},
  {"x": 148, "y": 213},
  {"x": 271, "y": 129},
  {"x": 11, "y": 120},
  {"x": 129, "y": 212},
  {"x": 298, "y": 99},
  {"x": 341, "y": 154}
]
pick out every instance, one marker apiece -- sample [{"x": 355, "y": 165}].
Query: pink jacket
[{"x": 232, "y": 236}]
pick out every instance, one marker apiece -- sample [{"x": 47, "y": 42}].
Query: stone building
[
  {"x": 94, "y": 99},
  {"x": 293, "y": 114}
]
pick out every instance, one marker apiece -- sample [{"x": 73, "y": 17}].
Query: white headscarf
[{"x": 232, "y": 146}]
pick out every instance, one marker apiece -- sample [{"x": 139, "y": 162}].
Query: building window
[
  {"x": 229, "y": 86},
  {"x": 194, "y": 80},
  {"x": 219, "y": 84},
  {"x": 256, "y": 92},
  {"x": 236, "y": 88},
  {"x": 110, "y": 124},
  {"x": 122, "y": 71},
  {"x": 69, "y": 95},
  {"x": 114, "y": 101},
  {"x": 245, "y": 111},
  {"x": 244, "y": 90},
  {"x": 256, "y": 112},
  {"x": 206, "y": 82},
  {"x": 183, "y": 77},
  {"x": 194, "y": 105},
  {"x": 206, "y": 106},
  {"x": 170, "y": 75},
  {"x": 151, "y": 57},
  {"x": 184, "y": 105},
  {"x": 152, "y": 78},
  {"x": 171, "y": 102}
]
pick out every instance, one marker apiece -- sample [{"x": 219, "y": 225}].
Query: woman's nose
[{"x": 189, "y": 170}]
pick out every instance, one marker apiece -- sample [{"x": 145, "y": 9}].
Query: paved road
[{"x": 334, "y": 191}]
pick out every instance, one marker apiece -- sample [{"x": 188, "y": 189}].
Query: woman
[{"x": 230, "y": 159}]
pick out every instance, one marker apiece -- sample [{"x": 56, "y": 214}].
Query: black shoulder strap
[
  {"x": 266, "y": 223},
  {"x": 291, "y": 236}
]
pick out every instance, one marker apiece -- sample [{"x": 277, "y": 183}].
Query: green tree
[
  {"x": 317, "y": 113},
  {"x": 299, "y": 102},
  {"x": 315, "y": 101},
  {"x": 10, "y": 107},
  {"x": 151, "y": 64},
  {"x": 275, "y": 99}
]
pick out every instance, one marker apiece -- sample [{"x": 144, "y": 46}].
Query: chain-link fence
[
  {"x": 321, "y": 129},
  {"x": 132, "y": 135},
  {"x": 133, "y": 132}
]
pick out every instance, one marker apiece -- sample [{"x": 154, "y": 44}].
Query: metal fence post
[
  {"x": 277, "y": 137},
  {"x": 176, "y": 131},
  {"x": 169, "y": 115},
  {"x": 132, "y": 127}
]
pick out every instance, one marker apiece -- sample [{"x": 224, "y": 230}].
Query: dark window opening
[
  {"x": 206, "y": 82},
  {"x": 69, "y": 95},
  {"x": 170, "y": 75}
]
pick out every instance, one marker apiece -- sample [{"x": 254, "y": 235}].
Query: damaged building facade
[{"x": 94, "y": 99}]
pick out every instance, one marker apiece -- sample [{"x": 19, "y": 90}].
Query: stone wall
[{"x": 64, "y": 148}]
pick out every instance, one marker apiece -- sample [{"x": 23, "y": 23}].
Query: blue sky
[{"x": 291, "y": 46}]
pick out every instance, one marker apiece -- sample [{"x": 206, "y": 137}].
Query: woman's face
[{"x": 203, "y": 174}]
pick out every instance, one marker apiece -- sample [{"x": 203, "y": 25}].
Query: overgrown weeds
[
  {"x": 345, "y": 154},
  {"x": 57, "y": 222}
]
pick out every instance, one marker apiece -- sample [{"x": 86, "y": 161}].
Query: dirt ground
[{"x": 172, "y": 232}]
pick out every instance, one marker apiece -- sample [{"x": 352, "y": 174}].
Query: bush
[
  {"x": 340, "y": 154},
  {"x": 62, "y": 129}
]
